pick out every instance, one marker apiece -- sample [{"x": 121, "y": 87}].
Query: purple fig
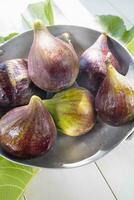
[
  {"x": 115, "y": 98},
  {"x": 14, "y": 83},
  {"x": 92, "y": 64},
  {"x": 28, "y": 130},
  {"x": 52, "y": 63}
]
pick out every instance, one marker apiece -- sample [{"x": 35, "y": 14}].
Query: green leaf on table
[
  {"x": 112, "y": 25},
  {"x": 128, "y": 35},
  {"x": 42, "y": 10},
  {"x": 2, "y": 39},
  {"x": 49, "y": 11},
  {"x": 13, "y": 179},
  {"x": 8, "y": 37},
  {"x": 115, "y": 26},
  {"x": 130, "y": 46}
]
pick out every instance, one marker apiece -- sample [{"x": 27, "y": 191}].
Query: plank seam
[
  {"x": 105, "y": 180},
  {"x": 123, "y": 16}
]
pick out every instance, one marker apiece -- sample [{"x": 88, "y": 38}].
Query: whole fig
[
  {"x": 14, "y": 83},
  {"x": 92, "y": 64},
  {"x": 73, "y": 111},
  {"x": 52, "y": 63},
  {"x": 27, "y": 131},
  {"x": 115, "y": 98}
]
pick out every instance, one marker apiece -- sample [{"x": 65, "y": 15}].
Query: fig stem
[
  {"x": 104, "y": 33},
  {"x": 34, "y": 99},
  {"x": 38, "y": 25}
]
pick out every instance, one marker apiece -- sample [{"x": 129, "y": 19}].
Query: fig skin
[
  {"x": 115, "y": 99},
  {"x": 73, "y": 111},
  {"x": 92, "y": 64},
  {"x": 27, "y": 131},
  {"x": 52, "y": 63},
  {"x": 14, "y": 83}
]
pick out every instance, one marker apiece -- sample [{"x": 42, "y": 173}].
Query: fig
[
  {"x": 115, "y": 98},
  {"x": 72, "y": 110},
  {"x": 52, "y": 63},
  {"x": 92, "y": 64},
  {"x": 14, "y": 83},
  {"x": 27, "y": 131}
]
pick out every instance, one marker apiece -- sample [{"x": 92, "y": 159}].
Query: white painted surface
[
  {"x": 76, "y": 13},
  {"x": 82, "y": 183},
  {"x": 106, "y": 7},
  {"x": 125, "y": 8},
  {"x": 117, "y": 168}
]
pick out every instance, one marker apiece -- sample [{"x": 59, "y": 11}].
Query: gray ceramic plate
[{"x": 74, "y": 151}]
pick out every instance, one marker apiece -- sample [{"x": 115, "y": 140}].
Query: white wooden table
[{"x": 111, "y": 177}]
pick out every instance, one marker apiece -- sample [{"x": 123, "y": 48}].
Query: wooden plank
[
  {"x": 125, "y": 8},
  {"x": 77, "y": 14},
  {"x": 118, "y": 169},
  {"x": 59, "y": 17},
  {"x": 80, "y": 183},
  {"x": 6, "y": 24},
  {"x": 14, "y": 10},
  {"x": 104, "y": 7}
]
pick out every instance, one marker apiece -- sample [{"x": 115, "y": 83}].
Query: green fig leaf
[
  {"x": 130, "y": 46},
  {"x": 2, "y": 39},
  {"x": 49, "y": 11},
  {"x": 128, "y": 35},
  {"x": 115, "y": 26},
  {"x": 13, "y": 179},
  {"x": 8, "y": 37},
  {"x": 42, "y": 10}
]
